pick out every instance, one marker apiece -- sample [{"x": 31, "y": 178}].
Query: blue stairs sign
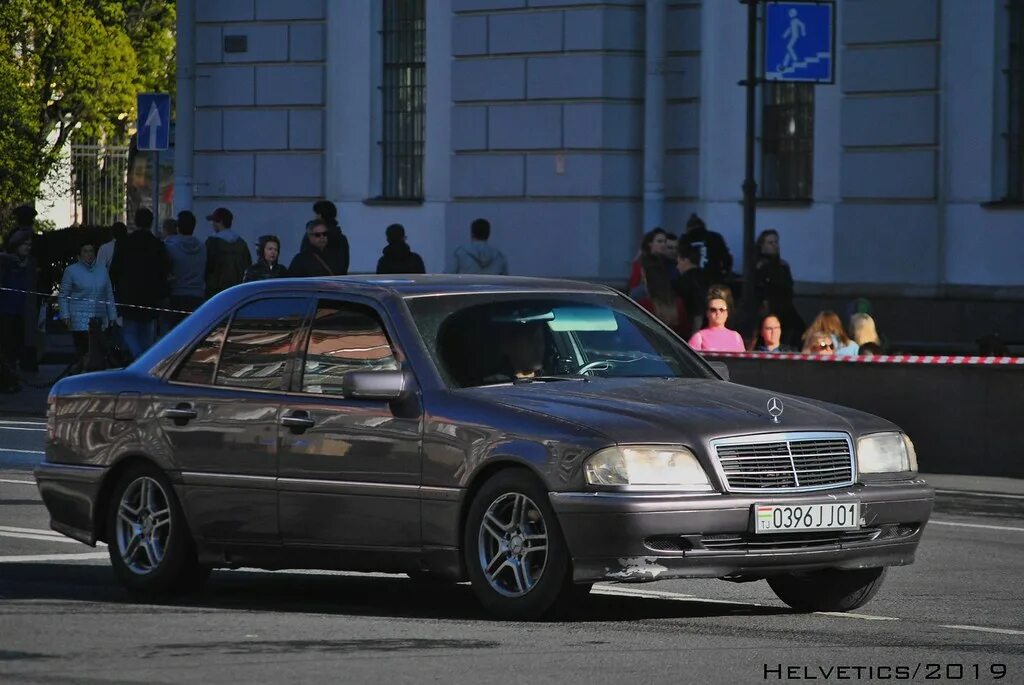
[{"x": 799, "y": 41}]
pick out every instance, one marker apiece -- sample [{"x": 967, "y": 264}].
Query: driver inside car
[{"x": 522, "y": 347}]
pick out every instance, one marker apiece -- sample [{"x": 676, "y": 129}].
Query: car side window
[
  {"x": 344, "y": 337},
  {"x": 200, "y": 364},
  {"x": 258, "y": 343}
]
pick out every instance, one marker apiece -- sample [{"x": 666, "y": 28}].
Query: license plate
[{"x": 786, "y": 518}]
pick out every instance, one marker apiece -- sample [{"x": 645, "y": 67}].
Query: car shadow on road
[{"x": 332, "y": 594}]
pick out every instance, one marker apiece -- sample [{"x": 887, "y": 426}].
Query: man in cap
[{"x": 227, "y": 255}]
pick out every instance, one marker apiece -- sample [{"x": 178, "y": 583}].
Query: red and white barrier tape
[
  {"x": 94, "y": 301},
  {"x": 947, "y": 359}
]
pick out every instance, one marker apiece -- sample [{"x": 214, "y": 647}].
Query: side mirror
[
  {"x": 375, "y": 385},
  {"x": 721, "y": 369}
]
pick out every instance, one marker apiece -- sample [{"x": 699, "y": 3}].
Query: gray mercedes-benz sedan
[{"x": 531, "y": 436}]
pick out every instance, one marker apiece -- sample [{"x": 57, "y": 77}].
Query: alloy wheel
[
  {"x": 513, "y": 544},
  {"x": 143, "y": 525}
]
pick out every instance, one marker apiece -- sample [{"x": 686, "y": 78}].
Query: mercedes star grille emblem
[{"x": 775, "y": 409}]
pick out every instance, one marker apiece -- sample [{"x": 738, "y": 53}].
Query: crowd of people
[
  {"x": 687, "y": 281},
  {"x": 156, "y": 279}
]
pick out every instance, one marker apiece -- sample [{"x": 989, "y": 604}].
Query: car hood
[{"x": 674, "y": 410}]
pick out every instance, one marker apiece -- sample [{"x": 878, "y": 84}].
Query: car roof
[{"x": 435, "y": 284}]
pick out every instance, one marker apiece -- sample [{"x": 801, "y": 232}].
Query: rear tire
[
  {"x": 149, "y": 543},
  {"x": 516, "y": 557},
  {"x": 828, "y": 590}
]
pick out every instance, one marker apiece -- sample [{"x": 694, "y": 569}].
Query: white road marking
[
  {"x": 5, "y": 422},
  {"x": 37, "y": 531},
  {"x": 7, "y": 449},
  {"x": 974, "y": 525},
  {"x": 16, "y": 482},
  {"x": 982, "y": 629},
  {"x": 979, "y": 494},
  {"x": 22, "y": 428},
  {"x": 848, "y": 614},
  {"x": 25, "y": 558},
  {"x": 30, "y": 536}
]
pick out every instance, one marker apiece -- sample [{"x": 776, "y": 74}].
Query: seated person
[{"x": 521, "y": 348}]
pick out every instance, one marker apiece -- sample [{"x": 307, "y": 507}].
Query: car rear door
[
  {"x": 350, "y": 470},
  {"x": 220, "y": 414}
]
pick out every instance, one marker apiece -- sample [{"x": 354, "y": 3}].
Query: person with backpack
[{"x": 227, "y": 255}]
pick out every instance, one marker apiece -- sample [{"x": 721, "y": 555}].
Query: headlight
[
  {"x": 886, "y": 453},
  {"x": 675, "y": 467}
]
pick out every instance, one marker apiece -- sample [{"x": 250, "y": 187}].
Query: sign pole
[
  {"x": 156, "y": 193},
  {"x": 749, "y": 308}
]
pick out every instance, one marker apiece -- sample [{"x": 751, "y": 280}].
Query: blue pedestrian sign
[
  {"x": 154, "y": 124},
  {"x": 799, "y": 41}
]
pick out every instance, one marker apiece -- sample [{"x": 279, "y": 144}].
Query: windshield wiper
[{"x": 548, "y": 379}]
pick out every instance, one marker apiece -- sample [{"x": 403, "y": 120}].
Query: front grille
[
  {"x": 752, "y": 542},
  {"x": 792, "y": 461}
]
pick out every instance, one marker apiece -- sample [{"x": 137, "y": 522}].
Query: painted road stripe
[
  {"x": 30, "y": 536},
  {"x": 22, "y": 428},
  {"x": 5, "y": 422},
  {"x": 848, "y": 614},
  {"x": 26, "y": 558},
  {"x": 37, "y": 531},
  {"x": 982, "y": 629},
  {"x": 6, "y": 449},
  {"x": 974, "y": 525},
  {"x": 975, "y": 493},
  {"x": 16, "y": 482}
]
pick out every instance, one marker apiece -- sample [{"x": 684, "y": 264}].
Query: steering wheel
[{"x": 599, "y": 365}]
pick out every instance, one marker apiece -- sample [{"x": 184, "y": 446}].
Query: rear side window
[
  {"x": 202, "y": 362},
  {"x": 344, "y": 337},
  {"x": 256, "y": 350}
]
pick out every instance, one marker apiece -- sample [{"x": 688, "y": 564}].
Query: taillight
[{"x": 51, "y": 417}]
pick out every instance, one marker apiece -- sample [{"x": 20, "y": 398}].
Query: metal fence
[{"x": 99, "y": 175}]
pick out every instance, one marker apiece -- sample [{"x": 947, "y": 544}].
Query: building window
[
  {"x": 404, "y": 94},
  {"x": 1015, "y": 100},
  {"x": 787, "y": 141}
]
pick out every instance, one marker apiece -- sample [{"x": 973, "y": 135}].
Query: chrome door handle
[
  {"x": 181, "y": 414},
  {"x": 297, "y": 422}
]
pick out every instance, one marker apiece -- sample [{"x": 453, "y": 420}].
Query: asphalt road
[{"x": 959, "y": 611}]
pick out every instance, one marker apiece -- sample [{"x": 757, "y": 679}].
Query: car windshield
[{"x": 479, "y": 340}]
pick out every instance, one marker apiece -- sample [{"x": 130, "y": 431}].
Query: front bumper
[
  {"x": 641, "y": 537},
  {"x": 70, "y": 493}
]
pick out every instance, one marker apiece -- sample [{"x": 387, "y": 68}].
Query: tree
[{"x": 72, "y": 68}]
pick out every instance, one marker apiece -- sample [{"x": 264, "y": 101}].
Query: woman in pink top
[{"x": 716, "y": 337}]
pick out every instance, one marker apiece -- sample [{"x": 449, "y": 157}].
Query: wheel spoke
[
  {"x": 494, "y": 520},
  {"x": 492, "y": 566},
  {"x": 144, "y": 495},
  {"x": 124, "y": 509},
  {"x": 124, "y": 517},
  {"x": 488, "y": 525},
  {"x": 161, "y": 518},
  {"x": 132, "y": 547},
  {"x": 151, "y": 553},
  {"x": 518, "y": 510},
  {"x": 493, "y": 575},
  {"x": 539, "y": 548},
  {"x": 519, "y": 573}
]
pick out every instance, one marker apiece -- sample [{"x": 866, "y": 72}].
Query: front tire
[
  {"x": 828, "y": 590},
  {"x": 516, "y": 556},
  {"x": 150, "y": 547}
]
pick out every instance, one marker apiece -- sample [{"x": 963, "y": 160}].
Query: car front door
[
  {"x": 221, "y": 416},
  {"x": 349, "y": 470}
]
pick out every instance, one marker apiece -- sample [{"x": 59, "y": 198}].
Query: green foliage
[{"x": 72, "y": 68}]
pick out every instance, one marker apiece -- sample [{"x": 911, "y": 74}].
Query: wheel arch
[{"x": 99, "y": 514}]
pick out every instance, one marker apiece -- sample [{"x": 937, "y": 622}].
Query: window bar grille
[
  {"x": 1015, "y": 97},
  {"x": 787, "y": 141},
  {"x": 404, "y": 96}
]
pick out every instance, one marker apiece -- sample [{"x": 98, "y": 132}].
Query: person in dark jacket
[
  {"x": 268, "y": 250},
  {"x": 773, "y": 287},
  {"x": 188, "y": 269},
  {"x": 227, "y": 255},
  {"x": 398, "y": 257},
  {"x": 691, "y": 286},
  {"x": 139, "y": 272},
  {"x": 318, "y": 259},
  {"x": 715, "y": 258},
  {"x": 24, "y": 220},
  {"x": 325, "y": 211},
  {"x": 19, "y": 272}
]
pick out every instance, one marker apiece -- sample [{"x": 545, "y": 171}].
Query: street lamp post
[{"x": 749, "y": 307}]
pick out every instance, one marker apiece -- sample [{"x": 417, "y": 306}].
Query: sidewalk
[{"x": 31, "y": 401}]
